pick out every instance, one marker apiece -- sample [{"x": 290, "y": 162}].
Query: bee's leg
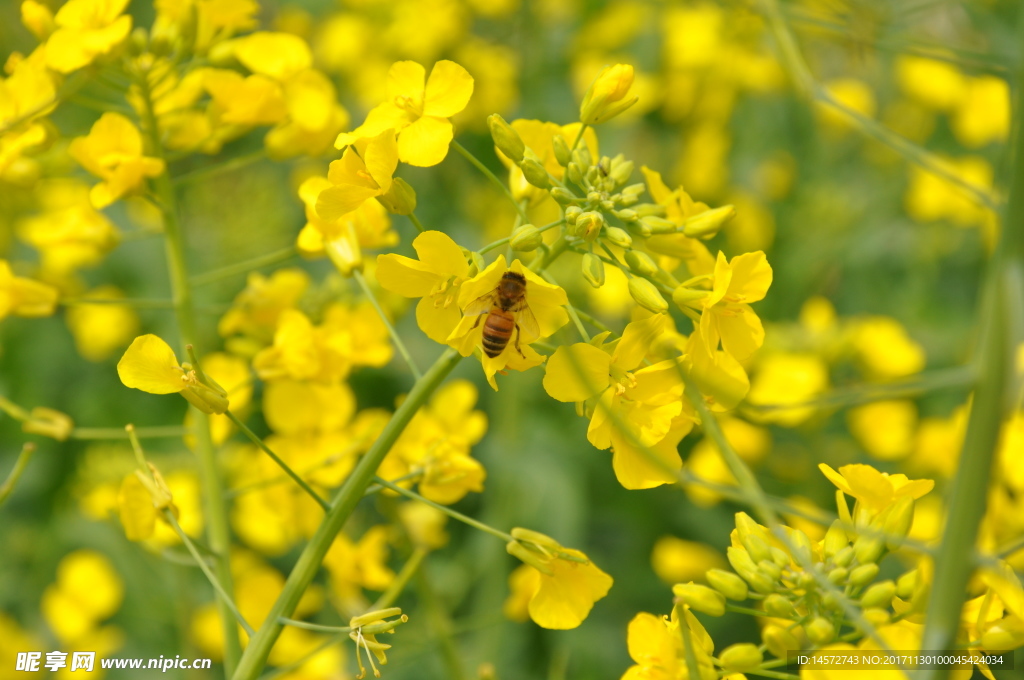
[
  {"x": 478, "y": 319},
  {"x": 518, "y": 349}
]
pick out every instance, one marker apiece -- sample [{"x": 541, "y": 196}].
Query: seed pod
[
  {"x": 618, "y": 237},
  {"x": 779, "y": 606},
  {"x": 641, "y": 263},
  {"x": 879, "y": 595},
  {"x": 535, "y": 173},
  {"x": 864, "y": 574},
  {"x": 741, "y": 657},
  {"x": 506, "y": 138},
  {"x": 727, "y": 583},
  {"x": 562, "y": 153},
  {"x": 706, "y": 224},
  {"x": 646, "y": 295},
  {"x": 526, "y": 238},
  {"x": 700, "y": 597},
  {"x": 820, "y": 631},
  {"x": 593, "y": 270}
]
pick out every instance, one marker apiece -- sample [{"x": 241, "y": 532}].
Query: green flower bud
[
  {"x": 835, "y": 539},
  {"x": 526, "y": 238},
  {"x": 820, "y": 631},
  {"x": 641, "y": 263},
  {"x": 563, "y": 196},
  {"x": 864, "y": 574},
  {"x": 574, "y": 174},
  {"x": 658, "y": 225},
  {"x": 844, "y": 557},
  {"x": 868, "y": 548},
  {"x": 535, "y": 173},
  {"x": 750, "y": 536},
  {"x": 897, "y": 523},
  {"x": 138, "y": 43},
  {"x": 741, "y": 657},
  {"x": 806, "y": 581},
  {"x": 701, "y": 598},
  {"x": 626, "y": 215},
  {"x": 779, "y": 641},
  {"x": 400, "y": 199},
  {"x": 838, "y": 576},
  {"x": 562, "y": 153},
  {"x": 571, "y": 213},
  {"x": 801, "y": 547},
  {"x": 621, "y": 172},
  {"x": 706, "y": 224},
  {"x": 770, "y": 569},
  {"x": 727, "y": 583},
  {"x": 588, "y": 225},
  {"x": 646, "y": 295},
  {"x": 648, "y": 209},
  {"x": 879, "y": 595},
  {"x": 639, "y": 228},
  {"x": 876, "y": 617},
  {"x": 581, "y": 157},
  {"x": 593, "y": 270},
  {"x": 506, "y": 138},
  {"x": 830, "y": 601},
  {"x": 779, "y": 606},
  {"x": 618, "y": 237},
  {"x": 906, "y": 584}
]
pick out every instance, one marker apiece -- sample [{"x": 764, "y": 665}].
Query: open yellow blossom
[
  {"x": 418, "y": 108},
  {"x": 656, "y": 646},
  {"x": 565, "y": 583},
  {"x": 24, "y": 96},
  {"x": 727, "y": 315},
  {"x": 88, "y": 590},
  {"x": 546, "y": 302},
  {"x": 363, "y": 172},
  {"x": 677, "y": 561},
  {"x": 648, "y": 401},
  {"x": 241, "y": 100},
  {"x": 86, "y": 29},
  {"x": 343, "y": 238},
  {"x": 875, "y": 490},
  {"x": 256, "y": 310},
  {"x": 436, "y": 278},
  {"x": 276, "y": 55},
  {"x": 363, "y": 564},
  {"x": 314, "y": 117},
  {"x": 20, "y": 296},
  {"x": 679, "y": 207},
  {"x": 149, "y": 365},
  {"x": 113, "y": 152}
]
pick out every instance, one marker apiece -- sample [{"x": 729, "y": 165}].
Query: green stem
[
  {"x": 454, "y": 514},
  {"x": 398, "y": 584},
  {"x": 351, "y": 492},
  {"x": 442, "y": 627},
  {"x": 295, "y": 623},
  {"x": 491, "y": 176},
  {"x": 1000, "y": 321},
  {"x": 157, "y": 432},
  {"x": 244, "y": 267},
  {"x": 255, "y": 439},
  {"x": 224, "y": 597},
  {"x": 692, "y": 667},
  {"x": 361, "y": 280},
  {"x": 27, "y": 449},
  {"x": 572, "y": 311},
  {"x": 502, "y": 241},
  {"x": 416, "y": 222},
  {"x": 215, "y": 169},
  {"x": 213, "y": 486}
]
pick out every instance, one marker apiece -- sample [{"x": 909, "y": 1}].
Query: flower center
[{"x": 409, "y": 105}]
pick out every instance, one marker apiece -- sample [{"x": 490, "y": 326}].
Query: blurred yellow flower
[
  {"x": 101, "y": 329},
  {"x": 936, "y": 84},
  {"x": 677, "y": 561},
  {"x": 656, "y": 646},
  {"x": 256, "y": 309},
  {"x": 886, "y": 350},
  {"x": 435, "y": 277},
  {"x": 418, "y": 108},
  {"x": 245, "y": 100},
  {"x": 784, "y": 381},
  {"x": 88, "y": 590},
  {"x": 357, "y": 565},
  {"x": 276, "y": 55},
  {"x": 983, "y": 114},
  {"x": 27, "y": 94},
  {"x": 86, "y": 29},
  {"x": 343, "y": 238},
  {"x": 884, "y": 428},
  {"x": 546, "y": 302},
  {"x": 851, "y": 93},
  {"x": 424, "y": 524},
  {"x": 113, "y": 152},
  {"x": 24, "y": 297},
  {"x": 314, "y": 117}
]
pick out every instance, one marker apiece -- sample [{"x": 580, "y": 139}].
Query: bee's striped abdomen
[{"x": 497, "y": 331}]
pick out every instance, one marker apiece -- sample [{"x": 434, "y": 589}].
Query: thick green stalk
[
  {"x": 1000, "y": 326},
  {"x": 351, "y": 492},
  {"x": 213, "y": 486}
]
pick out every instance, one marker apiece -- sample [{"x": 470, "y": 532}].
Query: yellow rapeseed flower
[
  {"x": 88, "y": 590},
  {"x": 364, "y": 171},
  {"x": 113, "y": 152},
  {"x": 20, "y": 296},
  {"x": 100, "y": 329},
  {"x": 436, "y": 278},
  {"x": 418, "y": 109},
  {"x": 875, "y": 490},
  {"x": 656, "y": 646},
  {"x": 149, "y": 365},
  {"x": 86, "y": 29},
  {"x": 256, "y": 309},
  {"x": 783, "y": 382},
  {"x": 886, "y": 349},
  {"x": 546, "y": 303},
  {"x": 727, "y": 315},
  {"x": 608, "y": 96},
  {"x": 342, "y": 238}
]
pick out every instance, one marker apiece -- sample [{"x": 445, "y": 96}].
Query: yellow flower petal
[
  {"x": 135, "y": 505},
  {"x": 442, "y": 253},
  {"x": 564, "y": 599},
  {"x": 577, "y": 372},
  {"x": 425, "y": 142},
  {"x": 278, "y": 55},
  {"x": 448, "y": 90},
  {"x": 405, "y": 276},
  {"x": 483, "y": 283},
  {"x": 636, "y": 341},
  {"x": 406, "y": 80},
  {"x": 381, "y": 157},
  {"x": 149, "y": 365},
  {"x": 751, "y": 276},
  {"x": 437, "y": 321}
]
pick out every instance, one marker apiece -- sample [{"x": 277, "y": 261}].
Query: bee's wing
[
  {"x": 481, "y": 305},
  {"x": 528, "y": 326}
]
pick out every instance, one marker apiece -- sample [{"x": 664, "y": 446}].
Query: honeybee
[{"x": 506, "y": 312}]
